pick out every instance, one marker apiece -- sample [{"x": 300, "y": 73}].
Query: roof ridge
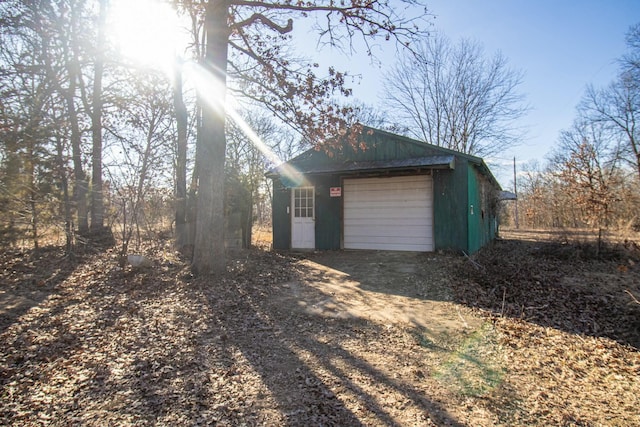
[{"x": 422, "y": 143}]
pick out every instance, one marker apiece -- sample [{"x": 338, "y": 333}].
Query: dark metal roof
[
  {"x": 432, "y": 162},
  {"x": 378, "y": 151},
  {"x": 507, "y": 195}
]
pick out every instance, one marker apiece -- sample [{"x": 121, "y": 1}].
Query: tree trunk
[
  {"x": 66, "y": 202},
  {"x": 80, "y": 187},
  {"x": 142, "y": 179},
  {"x": 182, "y": 232},
  {"x": 636, "y": 152},
  {"x": 97, "y": 204},
  {"x": 209, "y": 253},
  {"x": 32, "y": 195}
]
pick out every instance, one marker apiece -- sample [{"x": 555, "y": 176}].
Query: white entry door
[{"x": 303, "y": 220}]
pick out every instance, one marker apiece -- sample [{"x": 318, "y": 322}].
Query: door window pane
[{"x": 303, "y": 202}]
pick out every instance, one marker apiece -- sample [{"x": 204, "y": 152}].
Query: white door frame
[{"x": 303, "y": 218}]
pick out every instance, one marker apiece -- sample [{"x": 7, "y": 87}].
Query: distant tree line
[{"x": 592, "y": 177}]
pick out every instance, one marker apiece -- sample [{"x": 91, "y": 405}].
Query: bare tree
[
  {"x": 618, "y": 105},
  {"x": 630, "y": 62},
  {"x": 138, "y": 160},
  {"x": 587, "y": 163},
  {"x": 534, "y": 195},
  {"x": 591, "y": 177},
  {"x": 453, "y": 96},
  {"x": 182, "y": 118}
]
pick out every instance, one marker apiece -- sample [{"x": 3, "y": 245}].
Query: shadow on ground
[
  {"x": 158, "y": 346},
  {"x": 28, "y": 277}
]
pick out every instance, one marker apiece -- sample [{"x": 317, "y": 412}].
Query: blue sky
[{"x": 561, "y": 46}]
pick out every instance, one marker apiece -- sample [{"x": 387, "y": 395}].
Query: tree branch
[{"x": 266, "y": 21}]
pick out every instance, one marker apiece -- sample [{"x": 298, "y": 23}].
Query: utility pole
[{"x": 515, "y": 191}]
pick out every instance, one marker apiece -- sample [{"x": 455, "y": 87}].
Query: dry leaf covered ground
[{"x": 525, "y": 334}]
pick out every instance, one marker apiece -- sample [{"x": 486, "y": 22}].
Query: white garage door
[{"x": 389, "y": 213}]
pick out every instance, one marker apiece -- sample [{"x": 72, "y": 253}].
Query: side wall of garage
[
  {"x": 450, "y": 201},
  {"x": 481, "y": 219}
]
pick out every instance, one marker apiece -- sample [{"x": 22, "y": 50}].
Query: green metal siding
[
  {"x": 474, "y": 213},
  {"x": 374, "y": 147},
  {"x": 450, "y": 207},
  {"x": 481, "y": 218},
  {"x": 281, "y": 219},
  {"x": 328, "y": 213}
]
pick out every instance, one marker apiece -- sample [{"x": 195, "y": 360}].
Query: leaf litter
[{"x": 99, "y": 345}]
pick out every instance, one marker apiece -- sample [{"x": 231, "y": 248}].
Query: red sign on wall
[{"x": 335, "y": 192}]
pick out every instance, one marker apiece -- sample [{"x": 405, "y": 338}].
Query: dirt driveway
[{"x": 385, "y": 287}]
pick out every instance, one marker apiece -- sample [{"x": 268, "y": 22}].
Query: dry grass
[
  {"x": 262, "y": 236},
  {"x": 570, "y": 235}
]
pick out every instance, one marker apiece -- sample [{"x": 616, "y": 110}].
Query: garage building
[{"x": 386, "y": 192}]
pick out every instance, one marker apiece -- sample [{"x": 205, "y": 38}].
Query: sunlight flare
[
  {"x": 293, "y": 176},
  {"x": 146, "y": 32},
  {"x": 213, "y": 92},
  {"x": 210, "y": 90}
]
